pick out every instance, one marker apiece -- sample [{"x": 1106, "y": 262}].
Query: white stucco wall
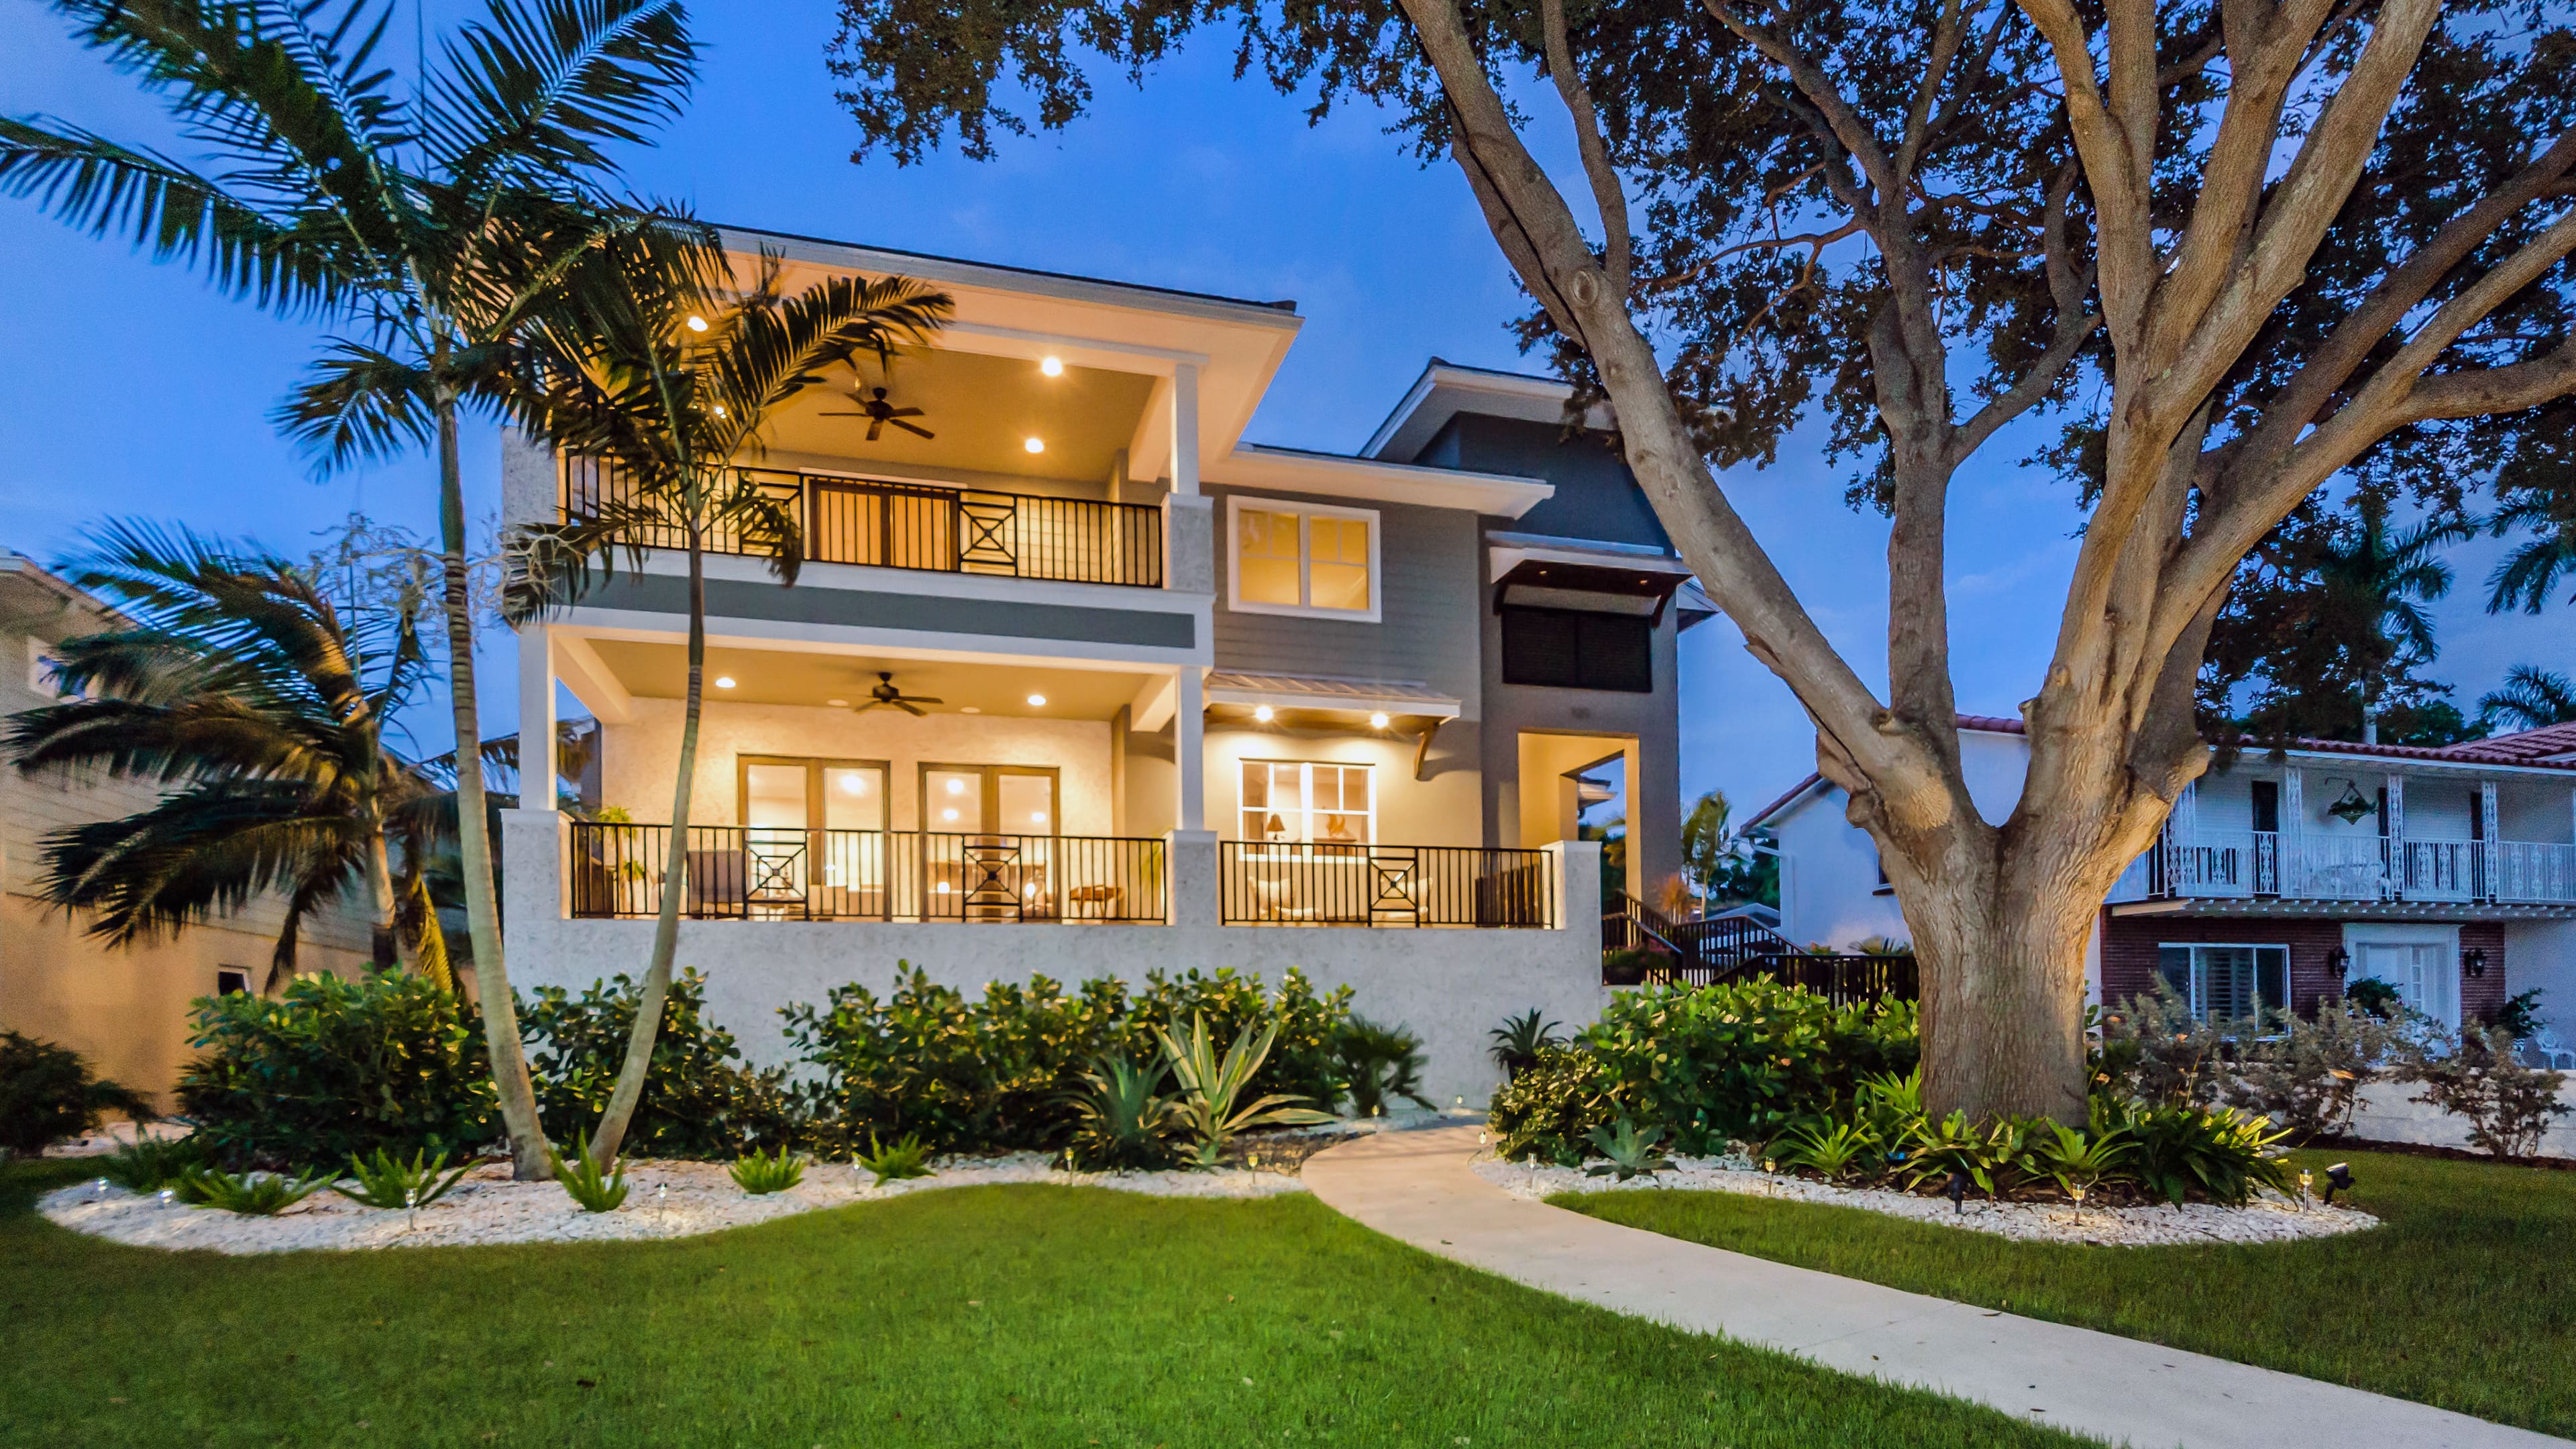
[
  {"x": 1450, "y": 987},
  {"x": 2390, "y": 1113},
  {"x": 642, "y": 757},
  {"x": 2542, "y": 954},
  {"x": 1829, "y": 890}
]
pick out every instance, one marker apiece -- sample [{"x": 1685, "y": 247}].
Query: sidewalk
[{"x": 1417, "y": 1187}]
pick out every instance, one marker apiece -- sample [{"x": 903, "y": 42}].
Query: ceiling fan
[
  {"x": 879, "y": 412},
  {"x": 884, "y": 692}
]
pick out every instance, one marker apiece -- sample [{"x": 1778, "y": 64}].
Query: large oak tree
[{"x": 2237, "y": 249}]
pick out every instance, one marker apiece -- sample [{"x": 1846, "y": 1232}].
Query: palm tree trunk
[
  {"x": 387, "y": 933},
  {"x": 528, "y": 1152},
  {"x": 611, "y": 1134}
]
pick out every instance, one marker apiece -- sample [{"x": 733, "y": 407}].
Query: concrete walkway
[{"x": 1417, "y": 1187}]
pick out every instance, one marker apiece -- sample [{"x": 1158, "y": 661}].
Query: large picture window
[
  {"x": 1301, "y": 559},
  {"x": 2227, "y": 982},
  {"x": 1321, "y": 804},
  {"x": 1575, "y": 649}
]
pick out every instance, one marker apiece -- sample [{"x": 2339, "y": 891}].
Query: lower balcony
[
  {"x": 1291, "y": 883},
  {"x": 757, "y": 873}
]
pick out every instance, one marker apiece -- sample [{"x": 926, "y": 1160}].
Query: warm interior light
[
  {"x": 1035, "y": 445},
  {"x": 854, "y": 784},
  {"x": 1261, "y": 712},
  {"x": 971, "y": 709},
  {"x": 1051, "y": 366},
  {"x": 947, "y": 814},
  {"x": 724, "y": 681},
  {"x": 956, "y": 787},
  {"x": 943, "y": 888},
  {"x": 697, "y": 323},
  {"x": 1037, "y": 701},
  {"x": 1377, "y": 721},
  {"x": 837, "y": 703},
  {"x": 1038, "y": 818}
]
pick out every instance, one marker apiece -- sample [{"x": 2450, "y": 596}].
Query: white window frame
[
  {"x": 2192, "y": 979},
  {"x": 1305, "y": 807},
  {"x": 1235, "y": 503}
]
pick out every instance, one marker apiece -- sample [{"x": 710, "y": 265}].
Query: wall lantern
[
  {"x": 2474, "y": 962},
  {"x": 2351, "y": 808},
  {"x": 2340, "y": 960}
]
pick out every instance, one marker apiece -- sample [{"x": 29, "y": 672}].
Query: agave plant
[
  {"x": 1519, "y": 1040},
  {"x": 1122, "y": 1122},
  {"x": 254, "y": 1194},
  {"x": 906, "y": 1157},
  {"x": 597, "y": 1189},
  {"x": 1211, "y": 1086},
  {"x": 1830, "y": 1148},
  {"x": 387, "y": 1181},
  {"x": 761, "y": 1173},
  {"x": 1632, "y": 1152}
]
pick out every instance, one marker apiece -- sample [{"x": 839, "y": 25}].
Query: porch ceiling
[
  {"x": 984, "y": 410},
  {"x": 766, "y": 676}
]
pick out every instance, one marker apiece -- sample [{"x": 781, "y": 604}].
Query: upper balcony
[
  {"x": 910, "y": 525},
  {"x": 2258, "y": 865}
]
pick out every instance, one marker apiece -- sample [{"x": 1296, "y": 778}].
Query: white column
[
  {"x": 2487, "y": 835},
  {"x": 2294, "y": 824},
  {"x": 1189, "y": 762},
  {"x": 2394, "y": 827},
  {"x": 1185, "y": 428},
  {"x": 536, "y": 717}
]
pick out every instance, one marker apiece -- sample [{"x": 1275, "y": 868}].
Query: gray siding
[
  {"x": 1596, "y": 496},
  {"x": 1430, "y": 595}
]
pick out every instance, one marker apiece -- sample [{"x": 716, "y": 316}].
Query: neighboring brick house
[{"x": 2449, "y": 873}]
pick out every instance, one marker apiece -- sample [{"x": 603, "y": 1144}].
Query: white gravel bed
[
  {"x": 489, "y": 1208},
  {"x": 2271, "y": 1218}
]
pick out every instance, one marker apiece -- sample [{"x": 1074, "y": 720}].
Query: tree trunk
[
  {"x": 2002, "y": 971},
  {"x": 611, "y": 1134},
  {"x": 528, "y": 1151},
  {"x": 386, "y": 933}
]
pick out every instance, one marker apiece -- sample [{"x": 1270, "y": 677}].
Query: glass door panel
[
  {"x": 777, "y": 812},
  {"x": 952, "y": 801}
]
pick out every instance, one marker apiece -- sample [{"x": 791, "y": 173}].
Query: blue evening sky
[{"x": 136, "y": 392}]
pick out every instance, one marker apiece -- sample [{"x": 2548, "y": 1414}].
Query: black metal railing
[
  {"x": 920, "y": 526},
  {"x": 1845, "y": 979},
  {"x": 768, "y": 873},
  {"x": 1286, "y": 883},
  {"x": 1696, "y": 953}
]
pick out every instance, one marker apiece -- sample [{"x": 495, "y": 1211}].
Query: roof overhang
[
  {"x": 1325, "y": 699},
  {"x": 1445, "y": 390},
  {"x": 1234, "y": 346},
  {"x": 1330, "y": 475}
]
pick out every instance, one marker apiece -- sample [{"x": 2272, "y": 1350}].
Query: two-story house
[
  {"x": 2283, "y": 876},
  {"x": 126, "y": 1009},
  {"x": 1070, "y": 657}
]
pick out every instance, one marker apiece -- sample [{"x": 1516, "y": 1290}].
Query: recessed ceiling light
[
  {"x": 1035, "y": 445},
  {"x": 1038, "y": 817},
  {"x": 947, "y": 814},
  {"x": 854, "y": 784},
  {"x": 697, "y": 323},
  {"x": 956, "y": 787},
  {"x": 1051, "y": 366},
  {"x": 1037, "y": 701},
  {"x": 971, "y": 709},
  {"x": 837, "y": 703},
  {"x": 1261, "y": 712},
  {"x": 724, "y": 681},
  {"x": 1377, "y": 721}
]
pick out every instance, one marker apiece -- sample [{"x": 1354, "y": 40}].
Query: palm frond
[
  {"x": 527, "y": 96},
  {"x": 552, "y": 565},
  {"x": 2531, "y": 698},
  {"x": 198, "y": 854},
  {"x": 359, "y": 403}
]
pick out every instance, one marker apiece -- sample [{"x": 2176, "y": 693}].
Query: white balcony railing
[{"x": 2221, "y": 864}]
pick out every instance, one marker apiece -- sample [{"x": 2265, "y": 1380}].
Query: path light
[
  {"x": 164, "y": 1195},
  {"x": 1957, "y": 1192},
  {"x": 2307, "y": 1180},
  {"x": 2338, "y": 1179},
  {"x": 662, "y": 1205},
  {"x": 2076, "y": 1191},
  {"x": 99, "y": 1187}
]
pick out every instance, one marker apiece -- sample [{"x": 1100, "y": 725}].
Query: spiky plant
[
  {"x": 246, "y": 694},
  {"x": 435, "y": 219},
  {"x": 1211, "y": 1086},
  {"x": 670, "y": 386},
  {"x": 1122, "y": 1121}
]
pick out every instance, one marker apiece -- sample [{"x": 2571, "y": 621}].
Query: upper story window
[
  {"x": 1302, "y": 558},
  {"x": 1328, "y": 804},
  {"x": 1576, "y": 649}
]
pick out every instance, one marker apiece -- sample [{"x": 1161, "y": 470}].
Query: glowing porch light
[
  {"x": 1377, "y": 721},
  {"x": 1262, "y": 712},
  {"x": 1051, "y": 366},
  {"x": 1035, "y": 445}
]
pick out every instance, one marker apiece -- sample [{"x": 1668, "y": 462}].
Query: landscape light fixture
[
  {"x": 2307, "y": 1185},
  {"x": 1957, "y": 1192},
  {"x": 2350, "y": 807},
  {"x": 2474, "y": 962},
  {"x": 1051, "y": 366},
  {"x": 2338, "y": 1179},
  {"x": 1377, "y": 721}
]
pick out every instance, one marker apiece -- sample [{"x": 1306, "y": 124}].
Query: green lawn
[
  {"x": 2466, "y": 1298},
  {"x": 999, "y": 1315}
]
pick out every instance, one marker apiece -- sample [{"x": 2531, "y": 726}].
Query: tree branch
[{"x": 1608, "y": 194}]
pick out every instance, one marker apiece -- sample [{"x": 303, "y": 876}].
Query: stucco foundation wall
[
  {"x": 2389, "y": 1113},
  {"x": 643, "y": 757},
  {"x": 1450, "y": 987}
]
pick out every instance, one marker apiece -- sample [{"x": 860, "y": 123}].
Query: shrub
[
  {"x": 909, "y": 1157},
  {"x": 2519, "y": 1017},
  {"x": 2308, "y": 1076},
  {"x": 761, "y": 1174},
  {"x": 336, "y": 1069},
  {"x": 2375, "y": 996},
  {"x": 1744, "y": 1059},
  {"x": 47, "y": 1093},
  {"x": 2221, "y": 1154},
  {"x": 1003, "y": 1071},
  {"x": 593, "y": 1188},
  {"x": 1548, "y": 1110},
  {"x": 1379, "y": 1063},
  {"x": 2154, "y": 1049},
  {"x": 389, "y": 1182},
  {"x": 2476, "y": 1075},
  {"x": 1831, "y": 1149},
  {"x": 1121, "y": 1122},
  {"x": 699, "y": 1101},
  {"x": 254, "y": 1194},
  {"x": 149, "y": 1164}
]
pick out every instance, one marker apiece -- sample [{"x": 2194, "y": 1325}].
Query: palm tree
[
  {"x": 2372, "y": 585},
  {"x": 671, "y": 401},
  {"x": 2538, "y": 486},
  {"x": 241, "y": 688},
  {"x": 443, "y": 225},
  {"x": 2531, "y": 698}
]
